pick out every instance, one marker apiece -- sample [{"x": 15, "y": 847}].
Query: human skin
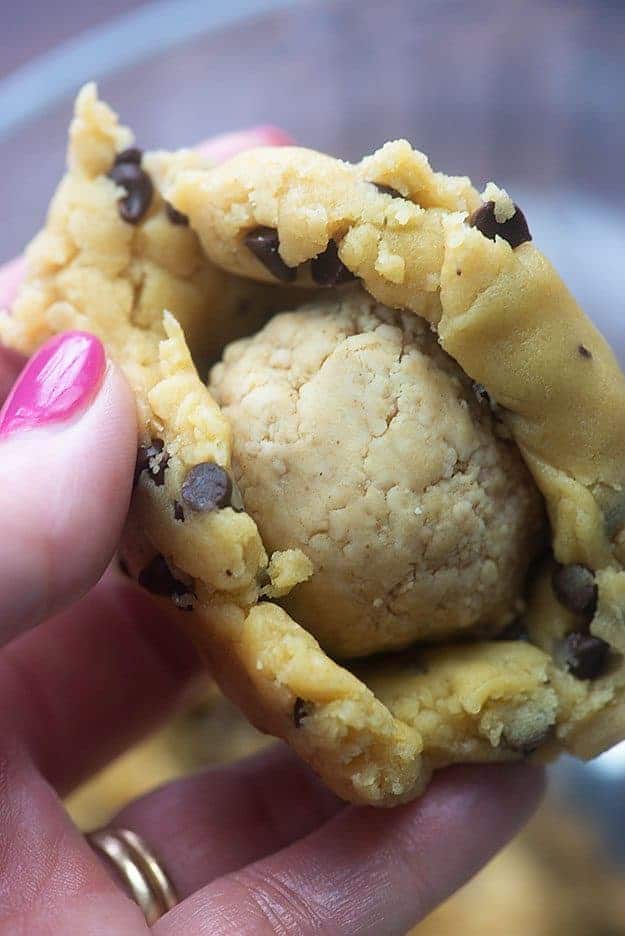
[{"x": 89, "y": 664}]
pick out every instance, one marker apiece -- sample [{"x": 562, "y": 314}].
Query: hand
[{"x": 258, "y": 847}]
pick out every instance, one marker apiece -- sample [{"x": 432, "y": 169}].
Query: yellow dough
[{"x": 200, "y": 261}]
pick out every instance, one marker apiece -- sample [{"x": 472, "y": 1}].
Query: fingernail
[{"x": 59, "y": 381}]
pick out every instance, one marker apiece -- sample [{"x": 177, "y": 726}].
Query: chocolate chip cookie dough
[{"x": 165, "y": 257}]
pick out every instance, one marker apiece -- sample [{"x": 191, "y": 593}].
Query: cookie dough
[
  {"x": 359, "y": 441},
  {"x": 169, "y": 259}
]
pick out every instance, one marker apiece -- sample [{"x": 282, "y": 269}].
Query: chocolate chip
[
  {"x": 265, "y": 244},
  {"x": 207, "y": 487},
  {"x": 178, "y": 512},
  {"x": 301, "y": 710},
  {"x": 327, "y": 269},
  {"x": 387, "y": 190},
  {"x": 576, "y": 589},
  {"x": 481, "y": 393},
  {"x": 131, "y": 155},
  {"x": 158, "y": 475},
  {"x": 514, "y": 230},
  {"x": 585, "y": 656},
  {"x": 175, "y": 216},
  {"x": 142, "y": 461},
  {"x": 148, "y": 460},
  {"x": 157, "y": 578},
  {"x": 128, "y": 174},
  {"x": 583, "y": 350}
]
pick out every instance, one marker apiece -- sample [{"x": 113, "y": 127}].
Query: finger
[
  {"x": 370, "y": 871},
  {"x": 218, "y": 821},
  {"x": 68, "y": 446},
  {"x": 11, "y": 363},
  {"x": 51, "y": 881},
  {"x": 84, "y": 686},
  {"x": 222, "y": 147}
]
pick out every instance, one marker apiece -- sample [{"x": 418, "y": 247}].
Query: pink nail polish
[{"x": 58, "y": 382}]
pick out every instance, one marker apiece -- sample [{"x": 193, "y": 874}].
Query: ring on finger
[{"x": 139, "y": 870}]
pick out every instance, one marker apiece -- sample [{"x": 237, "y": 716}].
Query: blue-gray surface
[{"x": 124, "y": 40}]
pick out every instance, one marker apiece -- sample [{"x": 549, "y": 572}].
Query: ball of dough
[{"x": 359, "y": 441}]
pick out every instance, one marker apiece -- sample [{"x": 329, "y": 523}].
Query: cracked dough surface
[
  {"x": 159, "y": 291},
  {"x": 359, "y": 441}
]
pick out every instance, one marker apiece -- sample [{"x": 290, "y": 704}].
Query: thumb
[{"x": 68, "y": 447}]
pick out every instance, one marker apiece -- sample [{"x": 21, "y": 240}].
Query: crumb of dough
[
  {"x": 285, "y": 570},
  {"x": 505, "y": 209}
]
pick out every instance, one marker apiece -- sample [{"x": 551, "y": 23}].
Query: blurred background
[{"x": 530, "y": 93}]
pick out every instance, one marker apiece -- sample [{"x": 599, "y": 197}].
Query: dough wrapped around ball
[{"x": 381, "y": 449}]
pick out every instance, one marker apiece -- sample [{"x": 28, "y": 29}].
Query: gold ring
[{"x": 138, "y": 869}]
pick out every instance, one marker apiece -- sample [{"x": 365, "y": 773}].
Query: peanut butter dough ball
[{"x": 360, "y": 442}]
